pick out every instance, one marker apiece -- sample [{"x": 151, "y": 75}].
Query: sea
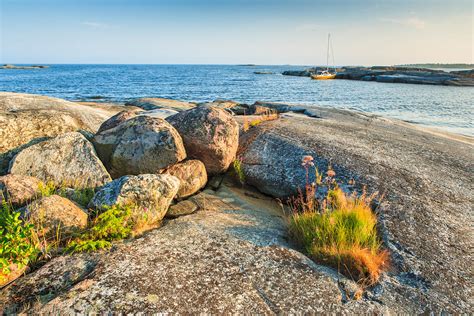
[{"x": 444, "y": 107}]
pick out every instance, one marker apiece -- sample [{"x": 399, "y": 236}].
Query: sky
[{"x": 371, "y": 32}]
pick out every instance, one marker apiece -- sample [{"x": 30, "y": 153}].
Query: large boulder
[
  {"x": 26, "y": 119},
  {"x": 18, "y": 189},
  {"x": 139, "y": 145},
  {"x": 160, "y": 103},
  {"x": 67, "y": 160},
  {"x": 210, "y": 134},
  {"x": 148, "y": 193},
  {"x": 55, "y": 214},
  {"x": 192, "y": 176},
  {"x": 273, "y": 165},
  {"x": 118, "y": 118}
]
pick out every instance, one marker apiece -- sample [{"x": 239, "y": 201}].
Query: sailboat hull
[{"x": 323, "y": 77}]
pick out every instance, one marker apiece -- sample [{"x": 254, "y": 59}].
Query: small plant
[
  {"x": 339, "y": 230},
  {"x": 47, "y": 189},
  {"x": 239, "y": 172},
  {"x": 116, "y": 223},
  {"x": 17, "y": 246},
  {"x": 113, "y": 224},
  {"x": 82, "y": 196}
]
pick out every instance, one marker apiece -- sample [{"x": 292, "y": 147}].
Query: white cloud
[
  {"x": 412, "y": 22},
  {"x": 95, "y": 24}
]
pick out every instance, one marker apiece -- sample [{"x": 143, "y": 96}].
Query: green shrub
[
  {"x": 17, "y": 244},
  {"x": 114, "y": 224}
]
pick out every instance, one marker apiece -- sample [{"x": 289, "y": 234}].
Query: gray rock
[
  {"x": 148, "y": 193},
  {"x": 160, "y": 113},
  {"x": 67, "y": 160},
  {"x": 26, "y": 119},
  {"x": 160, "y": 103},
  {"x": 241, "y": 109},
  {"x": 272, "y": 164},
  {"x": 210, "y": 135},
  {"x": 18, "y": 190},
  {"x": 117, "y": 119},
  {"x": 182, "y": 208},
  {"x": 222, "y": 104},
  {"x": 419, "y": 216},
  {"x": 278, "y": 107},
  {"x": 139, "y": 145},
  {"x": 54, "y": 214},
  {"x": 192, "y": 176}
]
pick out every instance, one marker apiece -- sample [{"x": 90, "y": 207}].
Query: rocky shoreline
[
  {"x": 224, "y": 247},
  {"x": 395, "y": 75}
]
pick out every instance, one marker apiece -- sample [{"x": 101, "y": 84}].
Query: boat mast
[{"x": 327, "y": 54}]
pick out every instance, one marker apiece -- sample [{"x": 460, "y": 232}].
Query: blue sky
[{"x": 240, "y": 31}]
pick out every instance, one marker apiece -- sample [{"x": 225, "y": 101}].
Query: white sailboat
[{"x": 326, "y": 74}]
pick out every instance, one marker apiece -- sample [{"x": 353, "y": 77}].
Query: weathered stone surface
[
  {"x": 222, "y": 104},
  {"x": 18, "y": 190},
  {"x": 160, "y": 113},
  {"x": 67, "y": 160},
  {"x": 26, "y": 119},
  {"x": 160, "y": 103},
  {"x": 225, "y": 258},
  {"x": 235, "y": 250},
  {"x": 139, "y": 145},
  {"x": 117, "y": 119},
  {"x": 51, "y": 213},
  {"x": 210, "y": 134},
  {"x": 276, "y": 106},
  {"x": 150, "y": 193},
  {"x": 419, "y": 218},
  {"x": 182, "y": 208},
  {"x": 273, "y": 165},
  {"x": 192, "y": 176}
]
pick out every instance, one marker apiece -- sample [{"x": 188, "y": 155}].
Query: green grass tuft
[
  {"x": 343, "y": 235},
  {"x": 239, "y": 172}
]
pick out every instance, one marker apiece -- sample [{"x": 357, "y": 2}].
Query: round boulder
[
  {"x": 18, "y": 190},
  {"x": 149, "y": 193},
  {"x": 210, "y": 134},
  {"x": 192, "y": 176},
  {"x": 118, "y": 118},
  {"x": 139, "y": 145},
  {"x": 54, "y": 213},
  {"x": 67, "y": 160}
]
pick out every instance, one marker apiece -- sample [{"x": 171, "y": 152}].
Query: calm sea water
[{"x": 449, "y": 108}]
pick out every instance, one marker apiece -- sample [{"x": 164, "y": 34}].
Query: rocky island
[
  {"x": 212, "y": 180},
  {"x": 395, "y": 74},
  {"x": 9, "y": 66}
]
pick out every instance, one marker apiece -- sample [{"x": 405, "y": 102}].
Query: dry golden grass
[{"x": 340, "y": 230}]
